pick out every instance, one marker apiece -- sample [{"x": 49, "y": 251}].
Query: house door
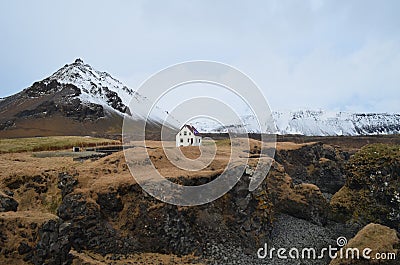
[{"x": 191, "y": 141}]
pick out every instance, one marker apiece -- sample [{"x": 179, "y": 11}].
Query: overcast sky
[{"x": 333, "y": 55}]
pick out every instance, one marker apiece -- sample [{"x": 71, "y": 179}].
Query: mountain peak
[
  {"x": 79, "y": 61},
  {"x": 95, "y": 86}
]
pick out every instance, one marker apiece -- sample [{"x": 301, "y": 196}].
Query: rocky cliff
[{"x": 98, "y": 212}]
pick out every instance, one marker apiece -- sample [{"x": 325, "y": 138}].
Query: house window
[
  {"x": 180, "y": 133},
  {"x": 184, "y": 133},
  {"x": 181, "y": 140},
  {"x": 190, "y": 133},
  {"x": 188, "y": 140},
  {"x": 199, "y": 140}
]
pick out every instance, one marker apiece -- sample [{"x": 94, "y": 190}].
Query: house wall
[{"x": 185, "y": 136}]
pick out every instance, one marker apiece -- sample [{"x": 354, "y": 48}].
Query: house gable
[{"x": 188, "y": 136}]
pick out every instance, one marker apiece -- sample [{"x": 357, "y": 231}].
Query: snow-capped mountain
[
  {"x": 95, "y": 86},
  {"x": 322, "y": 123},
  {"x": 75, "y": 100},
  {"x": 101, "y": 88},
  {"x": 315, "y": 123}
]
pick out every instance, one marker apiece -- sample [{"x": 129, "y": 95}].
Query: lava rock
[
  {"x": 7, "y": 203},
  {"x": 303, "y": 200},
  {"x": 24, "y": 248},
  {"x": 318, "y": 164},
  {"x": 66, "y": 183},
  {"x": 88, "y": 229},
  {"x": 53, "y": 247},
  {"x": 110, "y": 202}
]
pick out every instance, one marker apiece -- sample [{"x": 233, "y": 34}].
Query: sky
[{"x": 331, "y": 55}]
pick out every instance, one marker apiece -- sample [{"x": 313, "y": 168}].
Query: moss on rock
[{"x": 372, "y": 190}]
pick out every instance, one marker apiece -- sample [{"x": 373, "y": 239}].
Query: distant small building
[
  {"x": 76, "y": 149},
  {"x": 188, "y": 136}
]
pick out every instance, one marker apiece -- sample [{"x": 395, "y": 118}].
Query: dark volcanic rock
[
  {"x": 53, "y": 246},
  {"x": 41, "y": 88},
  {"x": 33, "y": 237},
  {"x": 115, "y": 101},
  {"x": 45, "y": 109},
  {"x": 319, "y": 164},
  {"x": 66, "y": 183},
  {"x": 7, "y": 124},
  {"x": 110, "y": 202},
  {"x": 149, "y": 225},
  {"x": 73, "y": 109},
  {"x": 7, "y": 203},
  {"x": 61, "y": 99},
  {"x": 88, "y": 229},
  {"x": 24, "y": 248},
  {"x": 77, "y": 110}
]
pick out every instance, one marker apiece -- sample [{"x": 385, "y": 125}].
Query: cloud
[{"x": 314, "y": 54}]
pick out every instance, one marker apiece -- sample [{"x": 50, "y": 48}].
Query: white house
[{"x": 188, "y": 136}]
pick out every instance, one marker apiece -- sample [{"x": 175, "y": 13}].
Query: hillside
[{"x": 75, "y": 100}]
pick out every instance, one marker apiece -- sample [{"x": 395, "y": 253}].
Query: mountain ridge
[
  {"x": 314, "y": 123},
  {"x": 87, "y": 100}
]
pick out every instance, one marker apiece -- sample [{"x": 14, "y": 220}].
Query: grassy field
[{"x": 49, "y": 143}]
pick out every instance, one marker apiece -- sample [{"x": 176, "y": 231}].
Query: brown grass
[
  {"x": 37, "y": 144},
  {"x": 90, "y": 258},
  {"x": 112, "y": 170},
  {"x": 291, "y": 146}
]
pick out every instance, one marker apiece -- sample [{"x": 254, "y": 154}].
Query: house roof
[{"x": 192, "y": 129}]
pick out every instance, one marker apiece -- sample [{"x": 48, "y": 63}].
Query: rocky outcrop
[
  {"x": 127, "y": 220},
  {"x": 53, "y": 246},
  {"x": 34, "y": 237},
  {"x": 7, "y": 203},
  {"x": 302, "y": 200},
  {"x": 318, "y": 164},
  {"x": 72, "y": 108},
  {"x": 380, "y": 239},
  {"x": 115, "y": 101},
  {"x": 42, "y": 88},
  {"x": 372, "y": 190},
  {"x": 88, "y": 229},
  {"x": 6, "y": 124},
  {"x": 66, "y": 183},
  {"x": 57, "y": 98}
]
